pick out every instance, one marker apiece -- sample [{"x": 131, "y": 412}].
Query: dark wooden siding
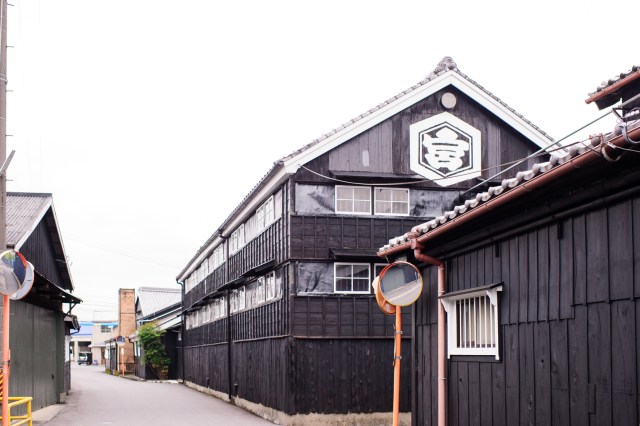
[
  {"x": 389, "y": 140},
  {"x": 569, "y": 327},
  {"x": 313, "y": 237},
  {"x": 343, "y": 316},
  {"x": 38, "y": 250},
  {"x": 346, "y": 375}
]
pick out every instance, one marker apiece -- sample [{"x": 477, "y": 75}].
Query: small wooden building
[
  {"x": 278, "y": 310},
  {"x": 40, "y": 323},
  {"x": 541, "y": 290},
  {"x": 161, "y": 306}
]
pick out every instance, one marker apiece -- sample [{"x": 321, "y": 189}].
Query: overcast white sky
[{"x": 149, "y": 121}]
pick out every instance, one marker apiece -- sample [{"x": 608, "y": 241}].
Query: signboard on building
[{"x": 445, "y": 149}]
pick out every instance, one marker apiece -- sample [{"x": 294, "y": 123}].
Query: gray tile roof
[
  {"x": 23, "y": 211},
  {"x": 614, "y": 80},
  {"x": 155, "y": 299},
  {"x": 556, "y": 160},
  {"x": 445, "y": 65}
]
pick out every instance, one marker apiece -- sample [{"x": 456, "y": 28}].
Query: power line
[{"x": 119, "y": 252}]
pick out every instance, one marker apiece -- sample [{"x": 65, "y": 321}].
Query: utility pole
[{"x": 6, "y": 356}]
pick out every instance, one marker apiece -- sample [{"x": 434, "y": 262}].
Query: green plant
[{"x": 155, "y": 355}]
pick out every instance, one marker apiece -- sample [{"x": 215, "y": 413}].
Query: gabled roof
[
  {"x": 445, "y": 74},
  {"x": 152, "y": 300},
  {"x": 600, "y": 147},
  {"x": 24, "y": 212}
]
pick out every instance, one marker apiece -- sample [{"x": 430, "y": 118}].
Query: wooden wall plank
[
  {"x": 543, "y": 274},
  {"x": 580, "y": 259},
  {"x": 543, "y": 392},
  {"x": 502, "y": 270},
  {"x": 599, "y": 353},
  {"x": 515, "y": 278},
  {"x": 554, "y": 273},
  {"x": 624, "y": 368},
  {"x": 527, "y": 374},
  {"x": 635, "y": 214},
  {"x": 498, "y": 394},
  {"x": 512, "y": 374},
  {"x": 474, "y": 392},
  {"x": 559, "y": 349},
  {"x": 567, "y": 276},
  {"x": 529, "y": 268},
  {"x": 597, "y": 255},
  {"x": 620, "y": 251}
]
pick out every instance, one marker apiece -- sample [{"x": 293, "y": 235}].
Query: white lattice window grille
[
  {"x": 265, "y": 214},
  {"x": 391, "y": 201},
  {"x": 260, "y": 290},
  {"x": 270, "y": 283},
  {"x": 353, "y": 199},
  {"x": 351, "y": 278},
  {"x": 236, "y": 241},
  {"x": 473, "y": 321}
]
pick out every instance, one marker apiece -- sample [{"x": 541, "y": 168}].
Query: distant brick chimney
[{"x": 126, "y": 324}]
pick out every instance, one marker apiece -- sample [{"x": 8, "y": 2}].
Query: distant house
[
  {"x": 81, "y": 341},
  {"x": 40, "y": 322},
  {"x": 102, "y": 331},
  {"x": 279, "y": 313},
  {"x": 538, "y": 307},
  {"x": 162, "y": 306}
]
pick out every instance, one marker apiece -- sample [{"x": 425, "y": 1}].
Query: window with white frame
[
  {"x": 238, "y": 300},
  {"x": 353, "y": 199},
  {"x": 472, "y": 321},
  {"x": 217, "y": 257},
  {"x": 391, "y": 201},
  {"x": 351, "y": 278},
  {"x": 219, "y": 308},
  {"x": 270, "y": 284},
  {"x": 260, "y": 290},
  {"x": 236, "y": 241},
  {"x": 205, "y": 268},
  {"x": 265, "y": 214}
]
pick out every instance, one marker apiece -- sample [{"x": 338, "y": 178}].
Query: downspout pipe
[{"x": 416, "y": 246}]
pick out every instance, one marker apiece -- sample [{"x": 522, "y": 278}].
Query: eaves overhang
[{"x": 598, "y": 148}]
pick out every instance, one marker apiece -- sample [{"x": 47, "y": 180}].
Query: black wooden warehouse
[
  {"x": 562, "y": 242},
  {"x": 278, "y": 311}
]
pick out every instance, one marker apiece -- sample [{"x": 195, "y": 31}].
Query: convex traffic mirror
[
  {"x": 385, "y": 306},
  {"x": 400, "y": 283}
]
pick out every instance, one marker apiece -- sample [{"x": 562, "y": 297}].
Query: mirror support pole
[{"x": 396, "y": 367}]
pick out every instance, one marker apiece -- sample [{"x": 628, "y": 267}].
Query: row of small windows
[
  {"x": 358, "y": 200},
  {"x": 348, "y": 200},
  {"x": 265, "y": 290},
  {"x": 265, "y": 215}
]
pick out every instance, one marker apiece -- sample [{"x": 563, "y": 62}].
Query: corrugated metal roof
[
  {"x": 556, "y": 160},
  {"x": 447, "y": 64},
  {"x": 24, "y": 211},
  {"x": 155, "y": 299}
]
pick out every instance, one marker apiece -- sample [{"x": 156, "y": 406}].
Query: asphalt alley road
[{"x": 98, "y": 399}]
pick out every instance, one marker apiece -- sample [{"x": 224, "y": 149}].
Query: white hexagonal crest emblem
[{"x": 445, "y": 149}]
